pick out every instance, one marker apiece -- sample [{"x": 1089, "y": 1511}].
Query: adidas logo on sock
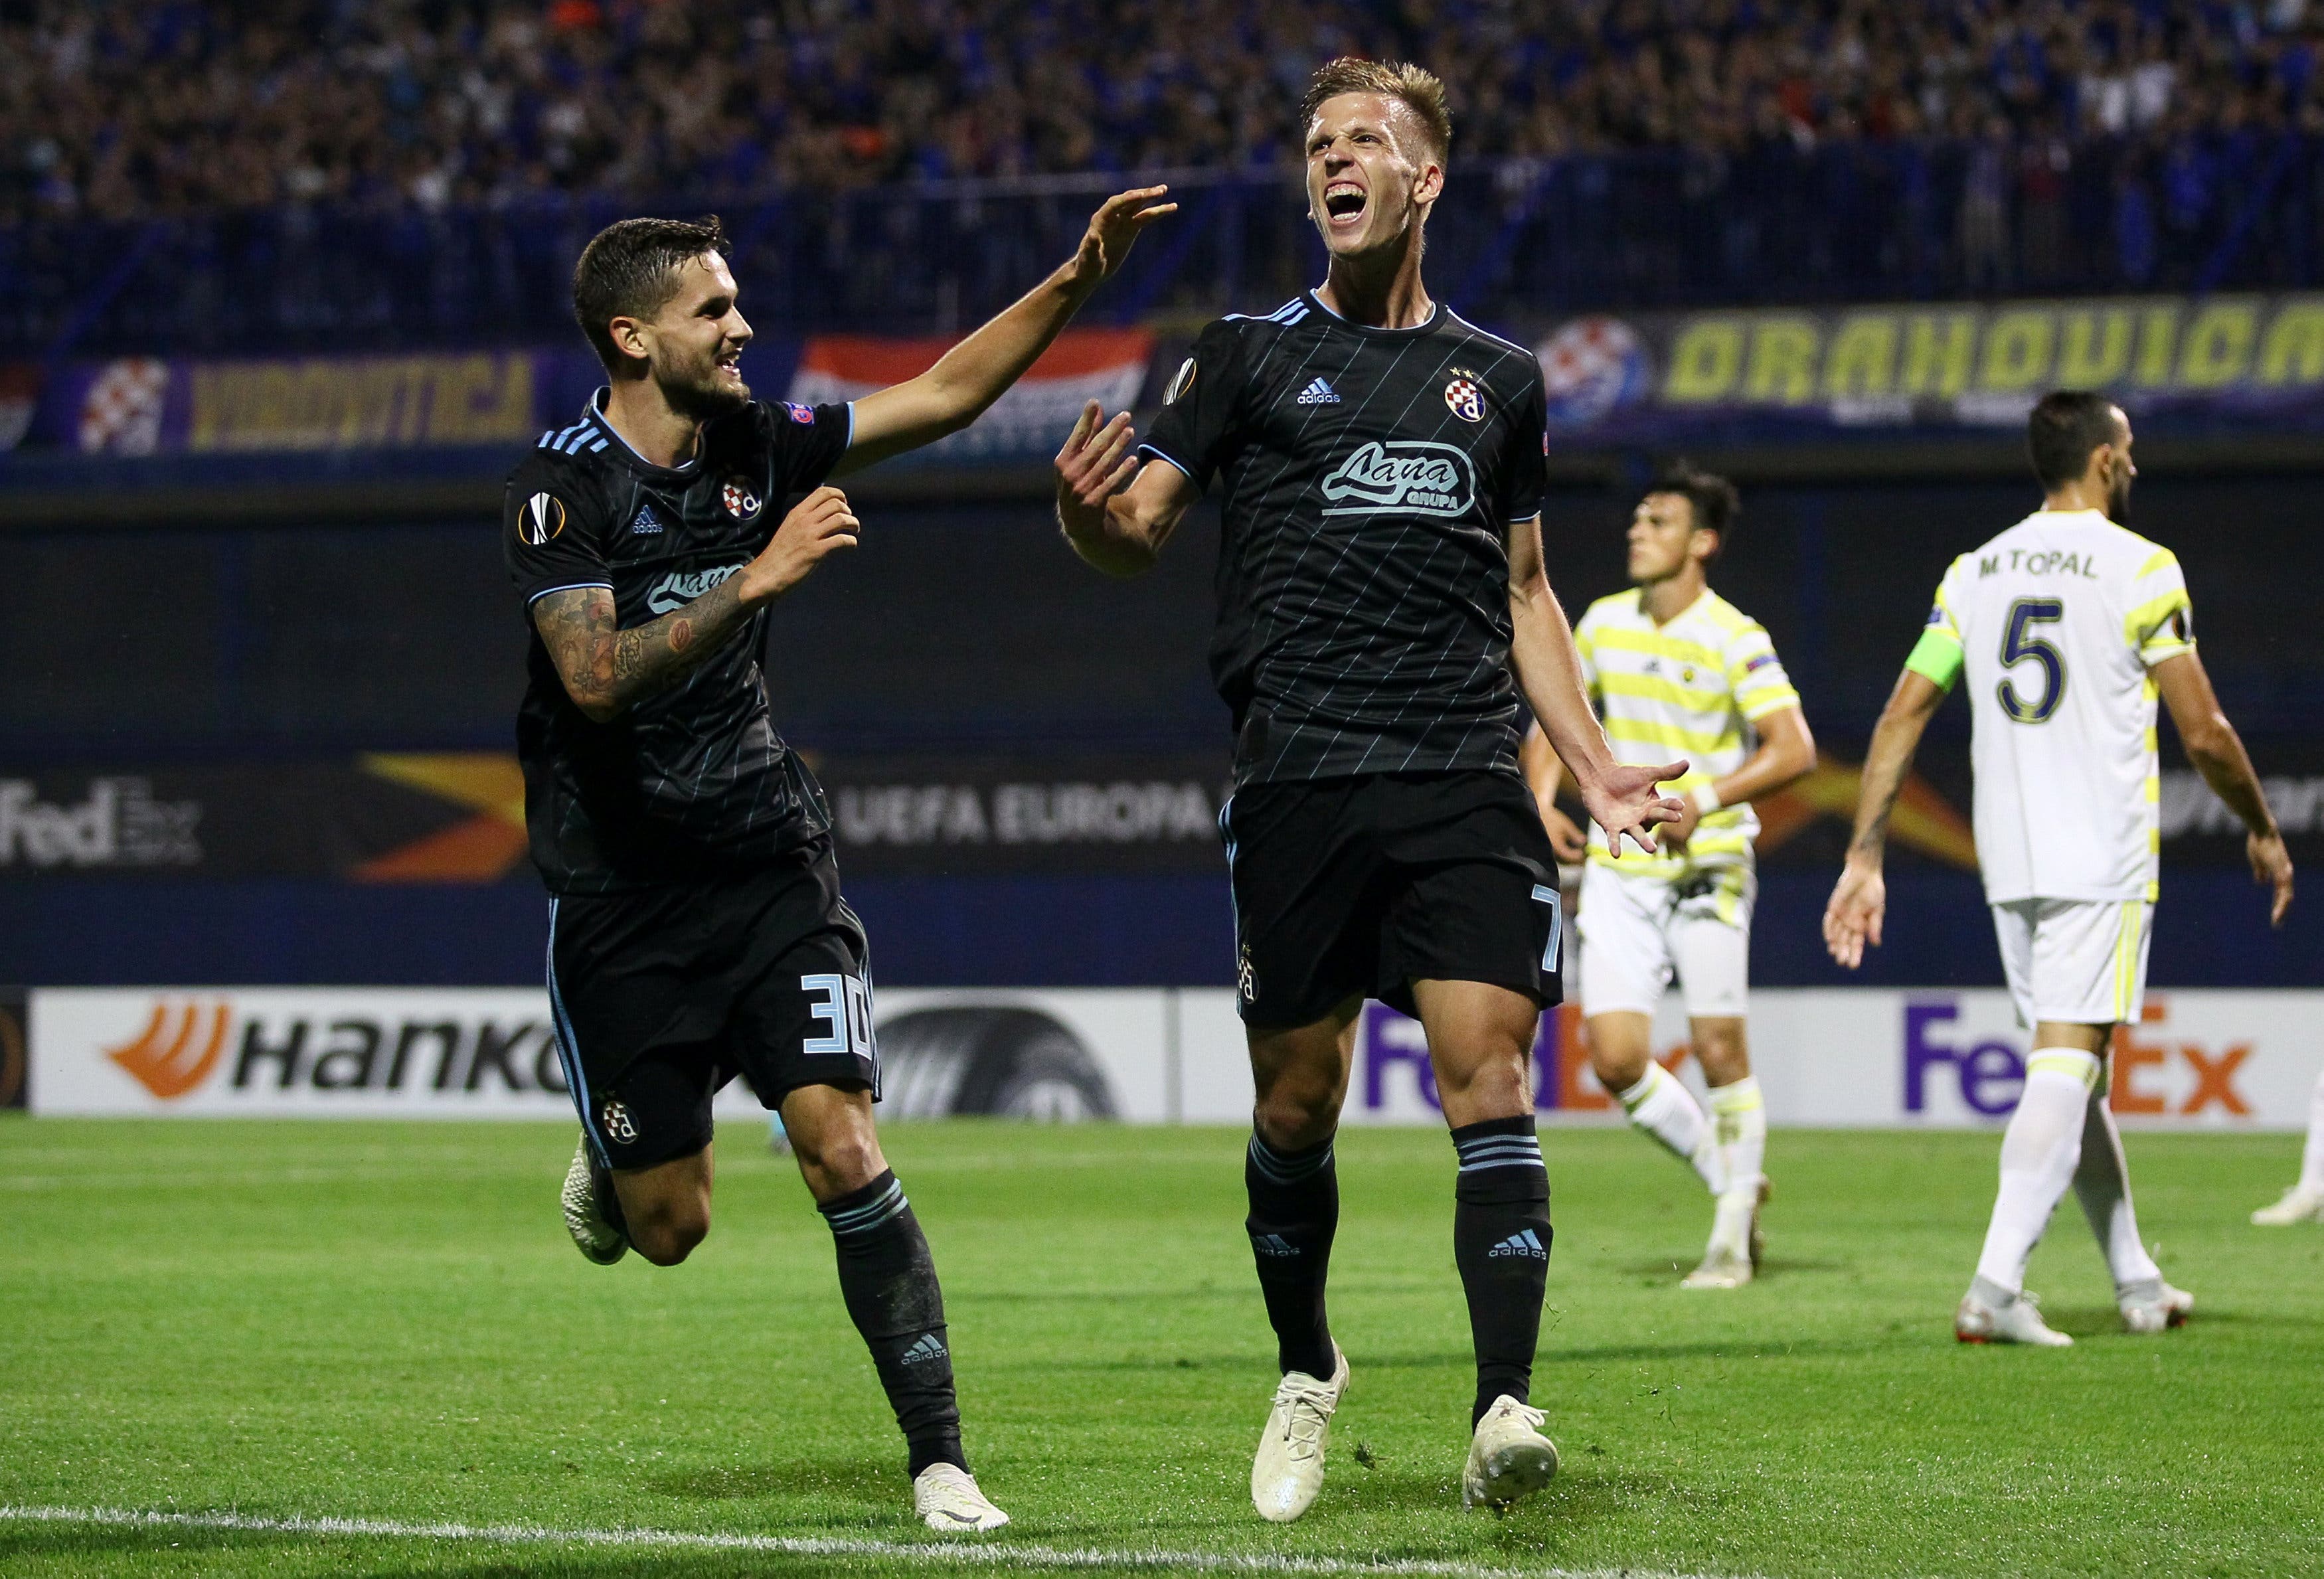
[
  {"x": 1525, "y": 1243},
  {"x": 930, "y": 1347},
  {"x": 1274, "y": 1244},
  {"x": 1318, "y": 394}
]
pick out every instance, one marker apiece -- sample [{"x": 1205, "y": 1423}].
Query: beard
[
  {"x": 700, "y": 396},
  {"x": 2119, "y": 501}
]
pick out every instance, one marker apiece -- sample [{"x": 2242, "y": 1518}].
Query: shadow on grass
[{"x": 1775, "y": 1267}]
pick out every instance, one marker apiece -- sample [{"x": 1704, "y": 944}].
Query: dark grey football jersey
[
  {"x": 693, "y": 780},
  {"x": 1369, "y": 479}
]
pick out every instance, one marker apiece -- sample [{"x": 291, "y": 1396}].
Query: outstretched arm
[
  {"x": 1622, "y": 799},
  {"x": 1116, "y": 512},
  {"x": 607, "y": 670},
  {"x": 2217, "y": 753},
  {"x": 974, "y": 373},
  {"x": 1859, "y": 901}
]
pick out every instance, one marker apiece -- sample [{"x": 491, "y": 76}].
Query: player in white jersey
[
  {"x": 2304, "y": 1201},
  {"x": 1678, "y": 672},
  {"x": 2068, "y": 626}
]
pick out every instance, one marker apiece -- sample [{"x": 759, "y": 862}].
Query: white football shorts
[
  {"x": 1636, "y": 932},
  {"x": 2079, "y": 962}
]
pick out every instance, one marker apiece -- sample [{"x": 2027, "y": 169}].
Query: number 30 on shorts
[{"x": 843, "y": 1003}]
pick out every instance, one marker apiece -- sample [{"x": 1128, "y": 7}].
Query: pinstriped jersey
[
  {"x": 2057, "y": 623},
  {"x": 1367, "y": 480},
  {"x": 693, "y": 780},
  {"x": 1691, "y": 689}
]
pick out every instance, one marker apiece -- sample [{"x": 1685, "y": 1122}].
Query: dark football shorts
[
  {"x": 662, "y": 996},
  {"x": 1349, "y": 887}
]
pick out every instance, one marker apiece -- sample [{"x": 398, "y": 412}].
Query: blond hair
[{"x": 1417, "y": 87}]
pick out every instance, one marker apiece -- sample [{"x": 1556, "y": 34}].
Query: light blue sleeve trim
[
  {"x": 568, "y": 586},
  {"x": 1172, "y": 459},
  {"x": 851, "y": 425}
]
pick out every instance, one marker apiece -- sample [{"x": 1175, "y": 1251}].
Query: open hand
[
  {"x": 1114, "y": 229},
  {"x": 1094, "y": 465},
  {"x": 2271, "y": 864},
  {"x": 1860, "y": 901},
  {"x": 1623, "y": 803}
]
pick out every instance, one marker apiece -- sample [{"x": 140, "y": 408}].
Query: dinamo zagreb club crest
[
  {"x": 1464, "y": 399},
  {"x": 741, "y": 502},
  {"x": 543, "y": 519}
]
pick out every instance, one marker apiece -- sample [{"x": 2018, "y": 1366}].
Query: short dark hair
[
  {"x": 1417, "y": 87},
  {"x": 1712, "y": 497},
  {"x": 629, "y": 270},
  {"x": 2066, "y": 425}
]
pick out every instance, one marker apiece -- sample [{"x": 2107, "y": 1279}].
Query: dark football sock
[
  {"x": 888, "y": 1280},
  {"x": 1294, "y": 1210},
  {"x": 1500, "y": 1240}
]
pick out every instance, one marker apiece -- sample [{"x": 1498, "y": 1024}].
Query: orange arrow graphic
[{"x": 167, "y": 1059}]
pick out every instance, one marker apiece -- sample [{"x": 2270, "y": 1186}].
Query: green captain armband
[{"x": 1936, "y": 657}]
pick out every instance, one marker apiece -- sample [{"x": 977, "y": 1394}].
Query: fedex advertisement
[{"x": 1844, "y": 1058}]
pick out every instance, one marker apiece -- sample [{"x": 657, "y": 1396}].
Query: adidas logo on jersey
[
  {"x": 1526, "y": 1243},
  {"x": 930, "y": 1347},
  {"x": 1318, "y": 394},
  {"x": 646, "y": 523}
]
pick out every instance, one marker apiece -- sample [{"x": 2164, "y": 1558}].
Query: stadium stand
[{"x": 421, "y": 174}]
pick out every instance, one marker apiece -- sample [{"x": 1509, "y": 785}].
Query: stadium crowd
[{"x": 118, "y": 109}]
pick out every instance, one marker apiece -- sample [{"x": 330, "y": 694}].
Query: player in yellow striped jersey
[
  {"x": 1677, "y": 671},
  {"x": 2069, "y": 626}
]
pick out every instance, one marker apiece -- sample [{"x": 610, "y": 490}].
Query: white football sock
[
  {"x": 1661, "y": 1105},
  {"x": 2039, "y": 1151},
  {"x": 1740, "y": 1115},
  {"x": 2102, "y": 1181},
  {"x": 2312, "y": 1161}
]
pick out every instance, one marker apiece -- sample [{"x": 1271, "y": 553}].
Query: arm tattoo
[{"x": 607, "y": 670}]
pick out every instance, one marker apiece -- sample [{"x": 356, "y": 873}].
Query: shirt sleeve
[
  {"x": 1199, "y": 427},
  {"x": 1756, "y": 675},
  {"x": 1524, "y": 471},
  {"x": 808, "y": 442},
  {"x": 2161, "y": 623},
  {"x": 550, "y": 533},
  {"x": 1937, "y": 657}
]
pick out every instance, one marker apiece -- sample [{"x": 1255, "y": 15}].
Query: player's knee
[
  {"x": 839, "y": 1163},
  {"x": 668, "y": 1236},
  {"x": 1619, "y": 1069},
  {"x": 1296, "y": 1113}
]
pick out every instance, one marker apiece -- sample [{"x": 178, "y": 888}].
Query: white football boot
[
  {"x": 944, "y": 1498},
  {"x": 584, "y": 1210},
  {"x": 2018, "y": 1321},
  {"x": 2301, "y": 1203},
  {"x": 1509, "y": 1456},
  {"x": 1736, "y": 1244},
  {"x": 1288, "y": 1469},
  {"x": 2151, "y": 1307}
]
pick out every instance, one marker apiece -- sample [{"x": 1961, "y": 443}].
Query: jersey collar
[
  {"x": 595, "y": 411},
  {"x": 1437, "y": 314}
]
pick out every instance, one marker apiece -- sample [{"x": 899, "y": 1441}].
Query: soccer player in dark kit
[
  {"x": 1381, "y": 575},
  {"x": 695, "y": 927}
]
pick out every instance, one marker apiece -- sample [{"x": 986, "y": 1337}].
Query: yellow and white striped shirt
[{"x": 1691, "y": 689}]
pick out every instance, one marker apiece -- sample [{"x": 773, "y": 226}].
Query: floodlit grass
[{"x": 385, "y": 1322}]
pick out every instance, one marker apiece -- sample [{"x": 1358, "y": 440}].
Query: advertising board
[{"x": 1843, "y": 1058}]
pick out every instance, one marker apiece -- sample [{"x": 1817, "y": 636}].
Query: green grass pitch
[{"x": 385, "y": 1323}]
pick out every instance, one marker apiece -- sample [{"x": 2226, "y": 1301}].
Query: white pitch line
[{"x": 996, "y": 1553}]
